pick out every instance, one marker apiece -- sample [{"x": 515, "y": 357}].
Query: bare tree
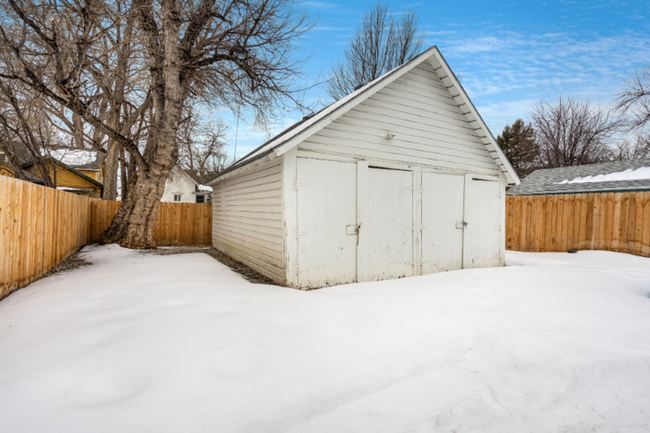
[
  {"x": 233, "y": 53},
  {"x": 519, "y": 146},
  {"x": 201, "y": 146},
  {"x": 635, "y": 148},
  {"x": 634, "y": 100},
  {"x": 381, "y": 43},
  {"x": 573, "y": 132},
  {"x": 25, "y": 130}
]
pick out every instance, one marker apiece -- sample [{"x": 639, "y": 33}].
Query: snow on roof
[
  {"x": 633, "y": 175},
  {"x": 74, "y": 157},
  {"x": 629, "y": 174},
  {"x": 204, "y": 188}
]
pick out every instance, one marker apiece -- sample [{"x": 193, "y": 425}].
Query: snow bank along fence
[
  {"x": 602, "y": 221},
  {"x": 40, "y": 227},
  {"x": 187, "y": 224}
]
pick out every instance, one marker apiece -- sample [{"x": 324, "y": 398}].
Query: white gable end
[
  {"x": 180, "y": 184},
  {"x": 434, "y": 110},
  {"x": 429, "y": 128},
  {"x": 456, "y": 90}
]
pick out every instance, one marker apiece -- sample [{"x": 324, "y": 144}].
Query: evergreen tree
[{"x": 519, "y": 145}]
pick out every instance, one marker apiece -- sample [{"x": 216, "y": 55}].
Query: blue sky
[{"x": 511, "y": 54}]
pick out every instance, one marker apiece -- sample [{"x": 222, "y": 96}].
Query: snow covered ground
[{"x": 145, "y": 343}]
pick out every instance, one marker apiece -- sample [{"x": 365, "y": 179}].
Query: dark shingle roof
[{"x": 549, "y": 181}]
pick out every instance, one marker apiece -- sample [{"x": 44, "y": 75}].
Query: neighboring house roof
[
  {"x": 80, "y": 159},
  {"x": 309, "y": 125},
  {"x": 73, "y": 170},
  {"x": 22, "y": 154},
  {"x": 18, "y": 151},
  {"x": 8, "y": 169},
  {"x": 604, "y": 177}
]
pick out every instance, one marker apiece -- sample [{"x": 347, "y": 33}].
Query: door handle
[
  {"x": 461, "y": 224},
  {"x": 352, "y": 229}
]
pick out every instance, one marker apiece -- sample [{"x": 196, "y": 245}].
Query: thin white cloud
[
  {"x": 321, "y": 5},
  {"x": 505, "y": 73}
]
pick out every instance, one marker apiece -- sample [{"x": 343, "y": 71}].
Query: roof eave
[
  {"x": 452, "y": 83},
  {"x": 584, "y": 191}
]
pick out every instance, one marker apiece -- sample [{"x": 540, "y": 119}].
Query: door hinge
[
  {"x": 297, "y": 184},
  {"x": 299, "y": 233}
]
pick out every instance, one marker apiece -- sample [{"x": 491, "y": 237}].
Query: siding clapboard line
[
  {"x": 430, "y": 128},
  {"x": 248, "y": 219}
]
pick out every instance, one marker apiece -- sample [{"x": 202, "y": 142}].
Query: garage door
[
  {"x": 327, "y": 207},
  {"x": 442, "y": 219},
  {"x": 390, "y": 224}
]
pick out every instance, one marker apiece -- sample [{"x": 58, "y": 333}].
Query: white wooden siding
[
  {"x": 430, "y": 129},
  {"x": 247, "y": 219},
  {"x": 179, "y": 183}
]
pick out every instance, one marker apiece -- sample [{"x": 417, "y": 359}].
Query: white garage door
[
  {"x": 442, "y": 211},
  {"x": 327, "y": 204},
  {"x": 390, "y": 224},
  {"x": 483, "y": 216}
]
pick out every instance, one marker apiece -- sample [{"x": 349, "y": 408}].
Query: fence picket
[
  {"x": 40, "y": 227},
  {"x": 601, "y": 221}
]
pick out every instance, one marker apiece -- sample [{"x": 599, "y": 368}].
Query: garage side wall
[{"x": 247, "y": 219}]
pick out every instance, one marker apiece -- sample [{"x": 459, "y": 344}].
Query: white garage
[{"x": 399, "y": 178}]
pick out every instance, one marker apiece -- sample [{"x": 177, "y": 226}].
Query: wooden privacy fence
[
  {"x": 40, "y": 227},
  {"x": 598, "y": 221},
  {"x": 188, "y": 224}
]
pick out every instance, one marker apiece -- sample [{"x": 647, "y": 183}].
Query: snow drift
[{"x": 553, "y": 342}]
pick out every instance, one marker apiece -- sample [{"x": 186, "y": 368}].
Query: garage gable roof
[{"x": 300, "y": 131}]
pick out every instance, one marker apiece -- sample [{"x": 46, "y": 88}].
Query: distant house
[
  {"x": 79, "y": 171},
  {"x": 7, "y": 169},
  {"x": 617, "y": 176},
  {"x": 181, "y": 187}
]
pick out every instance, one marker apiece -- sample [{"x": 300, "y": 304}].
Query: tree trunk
[
  {"x": 134, "y": 222},
  {"x": 124, "y": 181},
  {"x": 113, "y": 148},
  {"x": 78, "y": 130},
  {"x": 110, "y": 170}
]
